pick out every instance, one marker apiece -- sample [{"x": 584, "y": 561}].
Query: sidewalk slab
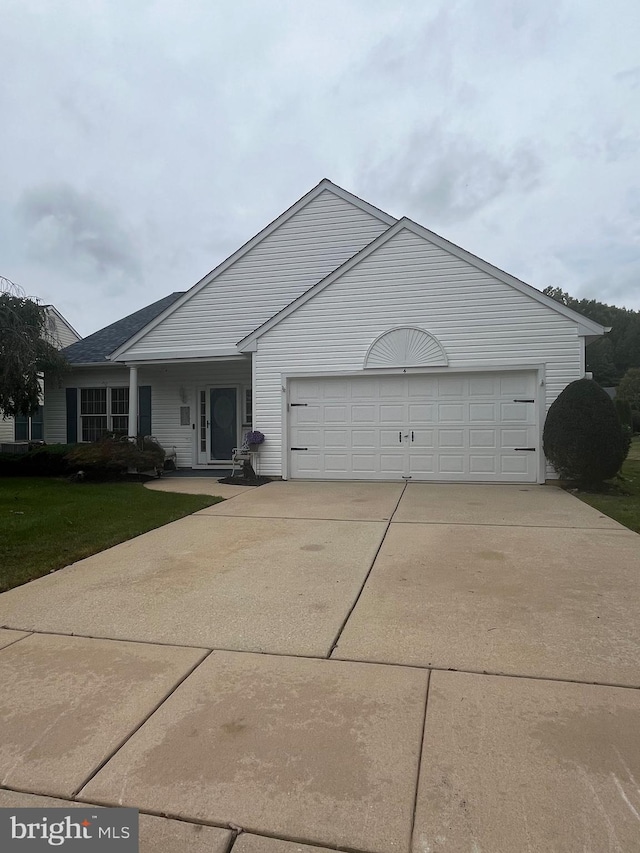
[
  {"x": 66, "y": 703},
  {"x": 281, "y": 586},
  {"x": 350, "y": 501},
  {"x": 528, "y": 506},
  {"x": 321, "y": 750},
  {"x": 8, "y": 637},
  {"x": 157, "y": 834},
  {"x": 197, "y": 486},
  {"x": 521, "y": 601},
  {"x": 511, "y": 764}
]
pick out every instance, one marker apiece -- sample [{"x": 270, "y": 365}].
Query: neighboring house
[
  {"x": 364, "y": 347},
  {"x": 22, "y": 428}
]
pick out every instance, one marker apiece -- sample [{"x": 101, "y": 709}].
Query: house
[
  {"x": 364, "y": 347},
  {"x": 31, "y": 428}
]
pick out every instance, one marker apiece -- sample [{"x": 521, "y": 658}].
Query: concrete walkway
[{"x": 318, "y": 666}]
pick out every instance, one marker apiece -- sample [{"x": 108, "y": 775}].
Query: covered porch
[{"x": 202, "y": 408}]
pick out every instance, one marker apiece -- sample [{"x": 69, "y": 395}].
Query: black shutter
[
  {"x": 72, "y": 415},
  {"x": 144, "y": 410}
]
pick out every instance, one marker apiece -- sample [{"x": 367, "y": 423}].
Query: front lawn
[
  {"x": 625, "y": 508},
  {"x": 47, "y": 523}
]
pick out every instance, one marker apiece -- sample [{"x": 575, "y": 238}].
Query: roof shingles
[{"x": 95, "y": 348}]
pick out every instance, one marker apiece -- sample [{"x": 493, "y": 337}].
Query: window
[
  {"x": 103, "y": 410},
  {"x": 30, "y": 428},
  {"x": 248, "y": 407}
]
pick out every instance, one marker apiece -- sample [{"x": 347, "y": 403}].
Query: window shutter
[
  {"x": 144, "y": 410},
  {"x": 72, "y": 415}
]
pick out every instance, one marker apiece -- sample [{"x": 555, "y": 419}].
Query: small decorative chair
[{"x": 239, "y": 455}]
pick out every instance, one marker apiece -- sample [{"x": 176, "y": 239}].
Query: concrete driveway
[{"x": 315, "y": 666}]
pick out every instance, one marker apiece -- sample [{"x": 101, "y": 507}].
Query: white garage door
[{"x": 465, "y": 427}]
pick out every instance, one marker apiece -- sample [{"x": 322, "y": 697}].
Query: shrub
[
  {"x": 111, "y": 457},
  {"x": 583, "y": 438},
  {"x": 45, "y": 461},
  {"x": 635, "y": 421}
]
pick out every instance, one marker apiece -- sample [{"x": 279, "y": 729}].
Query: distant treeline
[{"x": 609, "y": 357}]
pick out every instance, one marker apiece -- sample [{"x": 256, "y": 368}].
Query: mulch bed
[{"x": 245, "y": 481}]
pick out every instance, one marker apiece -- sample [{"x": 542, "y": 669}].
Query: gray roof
[{"x": 96, "y": 348}]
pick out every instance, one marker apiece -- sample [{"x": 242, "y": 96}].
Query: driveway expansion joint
[
  {"x": 137, "y": 728},
  {"x": 366, "y": 578}
]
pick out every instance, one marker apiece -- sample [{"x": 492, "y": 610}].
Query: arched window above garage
[{"x": 406, "y": 346}]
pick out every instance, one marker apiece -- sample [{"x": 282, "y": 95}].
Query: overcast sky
[{"x": 143, "y": 142}]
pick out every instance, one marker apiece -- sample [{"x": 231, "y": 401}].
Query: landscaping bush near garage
[
  {"x": 49, "y": 523},
  {"x": 583, "y": 437}
]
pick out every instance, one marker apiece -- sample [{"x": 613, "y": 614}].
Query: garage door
[{"x": 463, "y": 427}]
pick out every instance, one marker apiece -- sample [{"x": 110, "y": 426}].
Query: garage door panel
[
  {"x": 510, "y": 438},
  {"x": 421, "y": 413},
  {"x": 334, "y": 439},
  {"x": 335, "y": 415},
  {"x": 308, "y": 415},
  {"x": 452, "y": 386},
  {"x": 365, "y": 463},
  {"x": 364, "y": 439},
  {"x": 311, "y": 438},
  {"x": 514, "y": 464},
  {"x": 423, "y": 387},
  {"x": 392, "y": 414},
  {"x": 482, "y": 412},
  {"x": 337, "y": 463},
  {"x": 520, "y": 385},
  {"x": 450, "y": 463},
  {"x": 394, "y": 387},
  {"x": 515, "y": 412},
  {"x": 364, "y": 414},
  {"x": 390, "y": 440},
  {"x": 425, "y": 427},
  {"x": 450, "y": 438},
  {"x": 482, "y": 438},
  {"x": 451, "y": 412},
  {"x": 422, "y": 463},
  {"x": 392, "y": 464},
  {"x": 482, "y": 464},
  {"x": 482, "y": 386}
]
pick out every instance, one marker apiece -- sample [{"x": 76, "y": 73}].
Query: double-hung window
[
  {"x": 102, "y": 411},
  {"x": 30, "y": 427}
]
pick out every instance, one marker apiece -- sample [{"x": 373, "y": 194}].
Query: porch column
[{"x": 133, "y": 402}]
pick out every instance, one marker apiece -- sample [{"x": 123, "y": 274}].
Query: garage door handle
[
  {"x": 524, "y": 401},
  {"x": 411, "y": 435},
  {"x": 299, "y": 448},
  {"x": 524, "y": 448},
  {"x": 400, "y": 436}
]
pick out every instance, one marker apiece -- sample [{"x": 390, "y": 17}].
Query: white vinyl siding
[
  {"x": 479, "y": 320},
  {"x": 298, "y": 254},
  {"x": 172, "y": 387}
]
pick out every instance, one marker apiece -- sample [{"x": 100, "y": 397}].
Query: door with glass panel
[{"x": 217, "y": 424}]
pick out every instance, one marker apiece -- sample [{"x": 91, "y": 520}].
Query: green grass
[
  {"x": 625, "y": 508},
  {"x": 47, "y": 523}
]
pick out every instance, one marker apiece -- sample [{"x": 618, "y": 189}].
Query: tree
[
  {"x": 26, "y": 351},
  {"x": 583, "y": 437},
  {"x": 629, "y": 388},
  {"x": 607, "y": 358}
]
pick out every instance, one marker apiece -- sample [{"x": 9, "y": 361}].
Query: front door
[{"x": 224, "y": 422}]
